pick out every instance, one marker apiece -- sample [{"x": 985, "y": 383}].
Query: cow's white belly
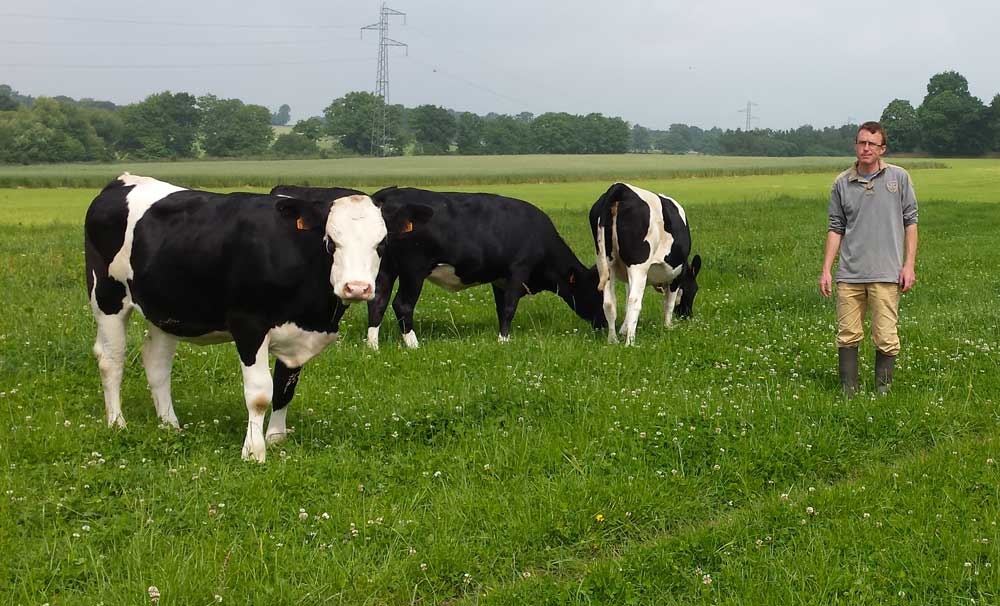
[
  {"x": 295, "y": 346},
  {"x": 444, "y": 276}
]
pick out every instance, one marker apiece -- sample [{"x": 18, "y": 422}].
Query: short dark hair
[{"x": 876, "y": 129}]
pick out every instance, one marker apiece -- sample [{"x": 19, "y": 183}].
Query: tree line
[{"x": 166, "y": 125}]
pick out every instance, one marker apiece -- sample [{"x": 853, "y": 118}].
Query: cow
[
  {"x": 641, "y": 237},
  {"x": 271, "y": 274},
  {"x": 473, "y": 239}
]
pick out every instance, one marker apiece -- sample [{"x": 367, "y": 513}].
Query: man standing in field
[{"x": 873, "y": 217}]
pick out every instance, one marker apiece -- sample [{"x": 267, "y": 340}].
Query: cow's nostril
[{"x": 358, "y": 290}]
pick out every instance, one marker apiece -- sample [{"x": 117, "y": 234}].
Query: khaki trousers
[{"x": 854, "y": 300}]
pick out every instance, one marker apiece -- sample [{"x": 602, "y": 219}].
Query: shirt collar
[{"x": 855, "y": 176}]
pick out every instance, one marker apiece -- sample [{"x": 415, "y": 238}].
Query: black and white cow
[
  {"x": 474, "y": 239},
  {"x": 641, "y": 238},
  {"x": 271, "y": 274}
]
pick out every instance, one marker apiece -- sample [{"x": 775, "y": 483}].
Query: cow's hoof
[
  {"x": 253, "y": 456},
  {"x": 117, "y": 423},
  {"x": 275, "y": 438},
  {"x": 503, "y": 339},
  {"x": 410, "y": 340},
  {"x": 170, "y": 423}
]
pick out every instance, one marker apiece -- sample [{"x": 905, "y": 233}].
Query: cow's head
[
  {"x": 579, "y": 290},
  {"x": 688, "y": 288},
  {"x": 354, "y": 235}
]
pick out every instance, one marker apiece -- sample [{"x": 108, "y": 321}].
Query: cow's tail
[
  {"x": 603, "y": 270},
  {"x": 604, "y": 231}
]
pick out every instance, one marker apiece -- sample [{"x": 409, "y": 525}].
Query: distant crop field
[
  {"x": 713, "y": 463},
  {"x": 966, "y": 180},
  {"x": 423, "y": 170}
]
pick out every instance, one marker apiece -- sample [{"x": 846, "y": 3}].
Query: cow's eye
[
  {"x": 330, "y": 246},
  {"x": 380, "y": 247}
]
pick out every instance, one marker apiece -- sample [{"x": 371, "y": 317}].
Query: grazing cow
[
  {"x": 272, "y": 274},
  {"x": 474, "y": 239},
  {"x": 643, "y": 237}
]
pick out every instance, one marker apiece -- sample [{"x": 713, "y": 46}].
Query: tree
[
  {"x": 433, "y": 128},
  {"x": 281, "y": 118},
  {"x": 556, "y": 133},
  {"x": 312, "y": 128},
  {"x": 607, "y": 135},
  {"x": 642, "y": 139},
  {"x": 108, "y": 125},
  {"x": 294, "y": 145},
  {"x": 993, "y": 123},
  {"x": 231, "y": 129},
  {"x": 672, "y": 141},
  {"x": 163, "y": 126},
  {"x": 952, "y": 121},
  {"x": 7, "y": 103},
  {"x": 900, "y": 122},
  {"x": 49, "y": 131},
  {"x": 349, "y": 119},
  {"x": 503, "y": 134},
  {"x": 469, "y": 134}
]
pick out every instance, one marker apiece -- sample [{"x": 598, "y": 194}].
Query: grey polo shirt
[{"x": 871, "y": 215}]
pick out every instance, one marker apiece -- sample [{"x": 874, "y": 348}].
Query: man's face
[{"x": 868, "y": 147}]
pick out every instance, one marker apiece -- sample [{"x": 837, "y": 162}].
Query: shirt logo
[{"x": 892, "y": 186}]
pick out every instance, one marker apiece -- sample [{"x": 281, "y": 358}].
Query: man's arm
[
  {"x": 908, "y": 276},
  {"x": 832, "y": 248}
]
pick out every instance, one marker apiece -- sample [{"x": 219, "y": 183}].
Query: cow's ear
[
  {"x": 303, "y": 214},
  {"x": 402, "y": 220},
  {"x": 696, "y": 265}
]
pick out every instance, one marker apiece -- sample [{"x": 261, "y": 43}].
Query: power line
[
  {"x": 172, "y": 23},
  {"x": 164, "y": 44},
  {"x": 380, "y": 117},
  {"x": 187, "y": 65}
]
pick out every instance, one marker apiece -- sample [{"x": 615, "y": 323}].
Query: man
[{"x": 873, "y": 219}]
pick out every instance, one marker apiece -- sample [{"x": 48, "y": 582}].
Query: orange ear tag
[
  {"x": 408, "y": 227},
  {"x": 300, "y": 224}
]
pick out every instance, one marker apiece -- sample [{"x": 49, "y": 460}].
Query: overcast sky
[{"x": 650, "y": 62}]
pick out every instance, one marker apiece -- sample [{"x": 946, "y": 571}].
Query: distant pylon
[
  {"x": 747, "y": 110},
  {"x": 380, "y": 117}
]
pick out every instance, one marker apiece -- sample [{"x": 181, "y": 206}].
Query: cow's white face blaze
[{"x": 355, "y": 232}]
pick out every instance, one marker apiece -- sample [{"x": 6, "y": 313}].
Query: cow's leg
[
  {"x": 158, "y": 358},
  {"x": 669, "y": 302},
  {"x": 285, "y": 380},
  {"x": 633, "y": 304},
  {"x": 506, "y": 300},
  {"x": 257, "y": 388},
  {"x": 403, "y": 305},
  {"x": 611, "y": 305},
  {"x": 378, "y": 305},
  {"x": 109, "y": 349}
]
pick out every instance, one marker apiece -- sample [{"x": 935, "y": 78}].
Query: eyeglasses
[{"x": 864, "y": 144}]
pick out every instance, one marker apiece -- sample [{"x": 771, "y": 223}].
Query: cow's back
[{"x": 477, "y": 228}]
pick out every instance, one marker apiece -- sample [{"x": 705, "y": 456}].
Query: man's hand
[
  {"x": 826, "y": 283},
  {"x": 907, "y": 278}
]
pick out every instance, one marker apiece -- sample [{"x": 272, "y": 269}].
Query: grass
[
  {"x": 551, "y": 470},
  {"x": 426, "y": 170}
]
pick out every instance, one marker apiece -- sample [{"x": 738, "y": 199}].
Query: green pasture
[
  {"x": 422, "y": 170},
  {"x": 965, "y": 180},
  {"x": 713, "y": 463}
]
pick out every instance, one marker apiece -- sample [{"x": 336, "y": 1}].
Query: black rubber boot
[
  {"x": 884, "y": 365},
  {"x": 848, "y": 370}
]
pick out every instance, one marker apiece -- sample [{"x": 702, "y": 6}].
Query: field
[{"x": 714, "y": 463}]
